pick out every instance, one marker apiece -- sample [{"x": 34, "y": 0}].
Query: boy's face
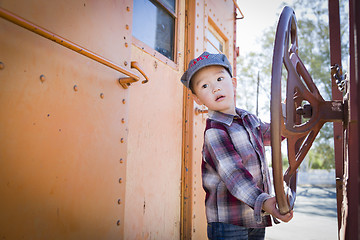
[{"x": 214, "y": 88}]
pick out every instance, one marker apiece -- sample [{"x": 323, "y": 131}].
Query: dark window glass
[
  {"x": 170, "y": 4},
  {"x": 153, "y": 25}
]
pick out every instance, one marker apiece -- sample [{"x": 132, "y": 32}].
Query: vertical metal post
[
  {"x": 187, "y": 136},
  {"x": 353, "y": 220},
  {"x": 335, "y": 58}
]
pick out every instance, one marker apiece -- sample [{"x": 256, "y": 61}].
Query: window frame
[
  {"x": 146, "y": 48},
  {"x": 215, "y": 31}
]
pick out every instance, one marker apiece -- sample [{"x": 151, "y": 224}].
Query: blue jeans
[{"x": 218, "y": 230}]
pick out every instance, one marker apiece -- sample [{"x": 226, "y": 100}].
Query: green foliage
[
  {"x": 314, "y": 51},
  {"x": 322, "y": 157}
]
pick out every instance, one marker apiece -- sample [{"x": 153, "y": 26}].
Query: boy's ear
[
  {"x": 234, "y": 82},
  {"x": 197, "y": 100}
]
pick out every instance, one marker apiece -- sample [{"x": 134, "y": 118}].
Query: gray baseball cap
[{"x": 204, "y": 60}]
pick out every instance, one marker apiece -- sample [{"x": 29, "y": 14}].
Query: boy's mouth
[{"x": 219, "y": 98}]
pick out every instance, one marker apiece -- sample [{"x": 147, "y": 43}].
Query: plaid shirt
[{"x": 234, "y": 171}]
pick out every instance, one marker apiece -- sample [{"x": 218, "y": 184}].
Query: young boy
[{"x": 234, "y": 170}]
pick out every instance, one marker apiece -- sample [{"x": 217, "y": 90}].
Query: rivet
[
  {"x": 128, "y": 9},
  {"x": 127, "y": 27},
  {"x": 123, "y": 120},
  {"x": 155, "y": 64},
  {"x": 123, "y": 101},
  {"x": 118, "y": 222},
  {"x": 101, "y": 95},
  {"x": 122, "y": 140},
  {"x": 121, "y": 160},
  {"x": 126, "y": 44},
  {"x": 120, "y": 180},
  {"x": 76, "y": 88},
  {"x": 119, "y": 201},
  {"x": 42, "y": 78},
  {"x": 125, "y": 63},
  {"x": 2, "y": 66}
]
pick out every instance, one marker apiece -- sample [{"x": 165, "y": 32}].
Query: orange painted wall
[{"x": 80, "y": 156}]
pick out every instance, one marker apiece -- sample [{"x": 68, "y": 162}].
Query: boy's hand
[{"x": 269, "y": 206}]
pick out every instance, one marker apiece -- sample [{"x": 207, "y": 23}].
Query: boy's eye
[
  {"x": 205, "y": 86},
  {"x": 220, "y": 79}
]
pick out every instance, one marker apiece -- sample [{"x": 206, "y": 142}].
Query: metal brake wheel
[{"x": 303, "y": 114}]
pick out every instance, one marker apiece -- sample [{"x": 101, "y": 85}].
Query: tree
[{"x": 313, "y": 38}]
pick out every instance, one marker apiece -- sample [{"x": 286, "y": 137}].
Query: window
[
  {"x": 215, "y": 43},
  {"x": 154, "y": 24}
]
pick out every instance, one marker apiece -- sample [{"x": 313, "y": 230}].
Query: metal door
[
  {"x": 63, "y": 121},
  {"x": 155, "y": 132}
]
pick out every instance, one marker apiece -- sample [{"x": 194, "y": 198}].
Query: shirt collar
[{"x": 226, "y": 118}]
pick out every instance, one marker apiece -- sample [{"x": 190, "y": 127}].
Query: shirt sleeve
[
  {"x": 265, "y": 131},
  {"x": 231, "y": 170}
]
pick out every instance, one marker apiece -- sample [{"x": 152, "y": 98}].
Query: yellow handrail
[
  {"x": 64, "y": 42},
  {"x": 237, "y": 6}
]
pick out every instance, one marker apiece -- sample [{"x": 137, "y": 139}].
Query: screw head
[{"x": 42, "y": 78}]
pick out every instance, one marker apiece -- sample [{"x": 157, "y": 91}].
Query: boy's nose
[{"x": 216, "y": 89}]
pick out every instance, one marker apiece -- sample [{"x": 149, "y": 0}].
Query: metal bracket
[
  {"x": 126, "y": 82},
  {"x": 199, "y": 111},
  {"x": 336, "y": 72}
]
